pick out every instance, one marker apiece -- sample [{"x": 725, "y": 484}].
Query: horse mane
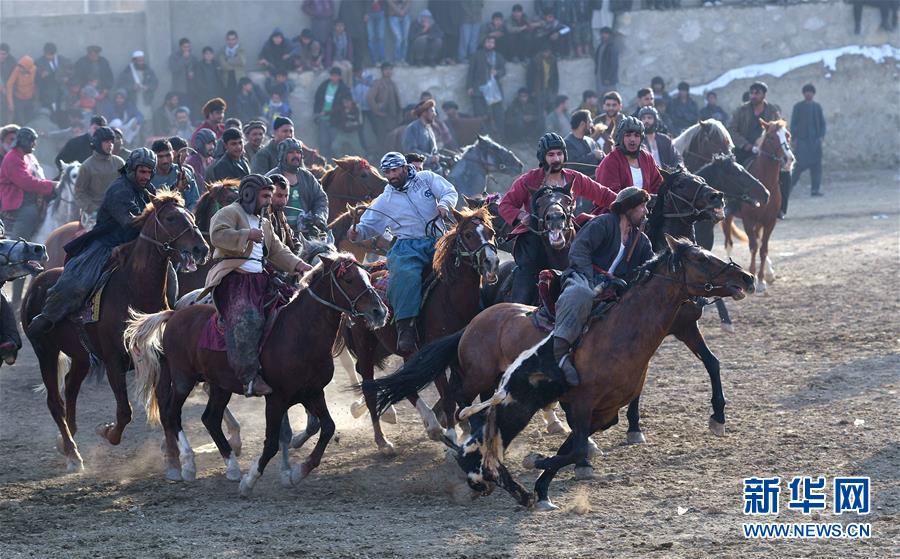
[
  {"x": 444, "y": 263},
  {"x": 683, "y": 141},
  {"x": 163, "y": 197},
  {"x": 319, "y": 268},
  {"x": 207, "y": 199},
  {"x": 342, "y": 163},
  {"x": 646, "y": 270}
]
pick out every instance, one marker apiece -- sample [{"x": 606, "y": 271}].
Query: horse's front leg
[
  {"x": 634, "y": 434},
  {"x": 692, "y": 337},
  {"x": 276, "y": 410},
  {"x": 319, "y": 408}
]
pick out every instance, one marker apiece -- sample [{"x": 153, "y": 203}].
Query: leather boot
[
  {"x": 562, "y": 352},
  {"x": 40, "y": 325},
  {"x": 257, "y": 387},
  {"x": 406, "y": 336}
]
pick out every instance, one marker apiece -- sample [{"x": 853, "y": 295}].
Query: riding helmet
[
  {"x": 137, "y": 158},
  {"x": 102, "y": 134},
  {"x": 286, "y": 146},
  {"x": 249, "y": 188},
  {"x": 25, "y": 138},
  {"x": 649, "y": 111},
  {"x": 628, "y": 124},
  {"x": 201, "y": 138},
  {"x": 550, "y": 141}
]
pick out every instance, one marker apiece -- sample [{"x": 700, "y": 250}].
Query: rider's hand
[
  {"x": 445, "y": 213},
  {"x": 256, "y": 235},
  {"x": 352, "y": 234},
  {"x": 302, "y": 267},
  {"x": 523, "y": 216}
]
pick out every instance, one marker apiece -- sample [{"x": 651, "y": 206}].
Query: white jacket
[{"x": 410, "y": 210}]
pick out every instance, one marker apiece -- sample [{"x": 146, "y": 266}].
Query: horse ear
[
  {"x": 670, "y": 240},
  {"x": 456, "y": 215}
]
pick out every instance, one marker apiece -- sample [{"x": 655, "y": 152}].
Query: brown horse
[
  {"x": 340, "y": 228},
  {"x": 298, "y": 366},
  {"x": 139, "y": 282},
  {"x": 58, "y": 239},
  {"x": 464, "y": 256},
  {"x": 612, "y": 358},
  {"x": 218, "y": 195},
  {"x": 774, "y": 154},
  {"x": 350, "y": 181}
]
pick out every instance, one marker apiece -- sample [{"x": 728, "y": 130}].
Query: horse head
[
  {"x": 688, "y": 197},
  {"x": 68, "y": 175},
  {"x": 359, "y": 174},
  {"x": 552, "y": 214},
  {"x": 350, "y": 288},
  {"x": 775, "y": 143},
  {"x": 311, "y": 156},
  {"x": 699, "y": 272},
  {"x": 225, "y": 192},
  {"x": 735, "y": 181},
  {"x": 19, "y": 258},
  {"x": 166, "y": 224},
  {"x": 495, "y": 157},
  {"x": 472, "y": 241}
]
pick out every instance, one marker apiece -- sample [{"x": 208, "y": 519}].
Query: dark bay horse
[
  {"x": 612, "y": 358},
  {"x": 350, "y": 181},
  {"x": 478, "y": 161},
  {"x": 168, "y": 232},
  {"x": 169, "y": 363},
  {"x": 217, "y": 196},
  {"x": 774, "y": 155},
  {"x": 465, "y": 255}
]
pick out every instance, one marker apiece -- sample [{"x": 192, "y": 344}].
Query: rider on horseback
[
  {"x": 244, "y": 241},
  {"x": 307, "y": 204},
  {"x": 410, "y": 201},
  {"x": 627, "y": 164},
  {"x": 516, "y": 207},
  {"x": 610, "y": 246},
  {"x": 98, "y": 171},
  {"x": 88, "y": 254}
]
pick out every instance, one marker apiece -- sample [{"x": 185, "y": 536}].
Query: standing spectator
[
  {"x": 496, "y": 28},
  {"x": 164, "y": 116},
  {"x": 419, "y": 135},
  {"x": 353, "y": 14},
  {"x": 524, "y": 118},
  {"x": 521, "y": 33},
  {"x": 321, "y": 15},
  {"x": 577, "y": 15},
  {"x": 213, "y": 117},
  {"x": 232, "y": 64},
  {"x": 328, "y": 96},
  {"x": 118, "y": 107},
  {"x": 399, "y": 20},
  {"x": 281, "y": 80},
  {"x": 7, "y": 65},
  {"x": 21, "y": 92},
  {"x": 92, "y": 67},
  {"x": 347, "y": 124},
  {"x": 712, "y": 109},
  {"x": 658, "y": 144},
  {"x": 168, "y": 174},
  {"x": 448, "y": 17},
  {"x": 53, "y": 73},
  {"x": 267, "y": 158},
  {"x": 590, "y": 103},
  {"x": 79, "y": 147},
  {"x": 606, "y": 61},
  {"x": 362, "y": 82},
  {"x": 276, "y": 53},
  {"x": 553, "y": 32},
  {"x": 138, "y": 79},
  {"x": 557, "y": 120},
  {"x": 233, "y": 164},
  {"x": 384, "y": 102},
  {"x": 307, "y": 53},
  {"x": 374, "y": 19},
  {"x": 486, "y": 68},
  {"x": 183, "y": 127},
  {"x": 249, "y": 102},
  {"x": 255, "y": 134},
  {"x": 542, "y": 78},
  {"x": 683, "y": 110},
  {"x": 662, "y": 110},
  {"x": 277, "y": 106},
  {"x": 644, "y": 98},
  {"x": 204, "y": 143},
  {"x": 808, "y": 131},
  {"x": 601, "y": 16},
  {"x": 207, "y": 82},
  {"x": 468, "y": 28},
  {"x": 658, "y": 87},
  {"x": 182, "y": 64},
  {"x": 339, "y": 52},
  {"x": 610, "y": 119},
  {"x": 426, "y": 41},
  {"x": 582, "y": 152},
  {"x": 97, "y": 171}
]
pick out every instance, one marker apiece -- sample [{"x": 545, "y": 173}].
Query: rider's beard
[
  {"x": 555, "y": 168},
  {"x": 631, "y": 153}
]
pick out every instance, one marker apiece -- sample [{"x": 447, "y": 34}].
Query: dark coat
[
  {"x": 319, "y": 100},
  {"x": 668, "y": 157},
  {"x": 606, "y": 63},
  {"x": 77, "y": 149},
  {"x": 306, "y": 193},
  {"x": 480, "y": 70},
  {"x": 207, "y": 82},
  {"x": 808, "y": 130},
  {"x": 534, "y": 78},
  {"x": 596, "y": 246},
  {"x": 86, "y": 70},
  {"x": 227, "y": 168}
]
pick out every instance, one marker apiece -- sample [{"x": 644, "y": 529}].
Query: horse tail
[
  {"x": 143, "y": 338},
  {"x": 417, "y": 373},
  {"x": 737, "y": 232}
]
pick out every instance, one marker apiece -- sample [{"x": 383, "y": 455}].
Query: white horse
[{"x": 62, "y": 209}]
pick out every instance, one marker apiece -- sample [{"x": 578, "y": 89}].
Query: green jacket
[{"x": 745, "y": 128}]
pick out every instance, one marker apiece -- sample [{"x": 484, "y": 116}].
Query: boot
[
  {"x": 406, "y": 336},
  {"x": 40, "y": 326},
  {"x": 257, "y": 387},
  {"x": 562, "y": 352}
]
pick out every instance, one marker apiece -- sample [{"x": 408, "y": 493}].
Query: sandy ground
[{"x": 811, "y": 378}]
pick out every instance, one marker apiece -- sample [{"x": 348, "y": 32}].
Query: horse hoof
[
  {"x": 246, "y": 487},
  {"x": 387, "y": 449},
  {"x": 74, "y": 465},
  {"x": 761, "y": 288},
  {"x": 718, "y": 429},
  {"x": 583, "y": 473},
  {"x": 233, "y": 473},
  {"x": 358, "y": 408},
  {"x": 635, "y": 437},
  {"x": 173, "y": 474},
  {"x": 727, "y": 327},
  {"x": 557, "y": 428},
  {"x": 545, "y": 506},
  {"x": 390, "y": 416},
  {"x": 530, "y": 461},
  {"x": 107, "y": 432},
  {"x": 60, "y": 446},
  {"x": 593, "y": 450},
  {"x": 189, "y": 472},
  {"x": 435, "y": 433},
  {"x": 286, "y": 478},
  {"x": 235, "y": 443},
  {"x": 298, "y": 473}
]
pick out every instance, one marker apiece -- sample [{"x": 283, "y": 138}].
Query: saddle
[
  {"x": 90, "y": 312},
  {"x": 550, "y": 288}
]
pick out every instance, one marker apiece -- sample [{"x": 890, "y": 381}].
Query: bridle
[
  {"x": 476, "y": 256},
  {"x": 707, "y": 286},
  {"x": 335, "y": 273},
  {"x": 679, "y": 202},
  {"x": 369, "y": 195},
  {"x": 774, "y": 156},
  {"x": 564, "y": 202},
  {"x": 166, "y": 247}
]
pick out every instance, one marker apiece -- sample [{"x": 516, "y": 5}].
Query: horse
[
  {"x": 350, "y": 181},
  {"x": 62, "y": 208},
  {"x": 18, "y": 259},
  {"x": 167, "y": 231},
  {"x": 774, "y": 154},
  {"x": 465, "y": 256},
  {"x": 612, "y": 358},
  {"x": 476, "y": 163},
  {"x": 340, "y": 228},
  {"x": 298, "y": 366}
]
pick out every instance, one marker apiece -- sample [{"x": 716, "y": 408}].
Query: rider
[
  {"x": 125, "y": 199},
  {"x": 21, "y": 183},
  {"x": 307, "y": 206},
  {"x": 610, "y": 246},
  {"x": 516, "y": 207},
  {"x": 244, "y": 241},
  {"x": 280, "y": 225},
  {"x": 627, "y": 164},
  {"x": 168, "y": 174},
  {"x": 657, "y": 143},
  {"x": 410, "y": 201},
  {"x": 419, "y": 135},
  {"x": 98, "y": 171}
]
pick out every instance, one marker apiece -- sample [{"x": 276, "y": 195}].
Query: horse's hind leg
[
  {"x": 448, "y": 407},
  {"x": 275, "y": 413},
  {"x": 216, "y": 407},
  {"x": 318, "y": 407},
  {"x": 231, "y": 423},
  {"x": 115, "y": 373},
  {"x": 77, "y": 373},
  {"x": 365, "y": 366},
  {"x": 312, "y": 427},
  {"x": 48, "y": 360},
  {"x": 553, "y": 424},
  {"x": 634, "y": 434},
  {"x": 693, "y": 339}
]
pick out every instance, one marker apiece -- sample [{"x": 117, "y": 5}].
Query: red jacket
[
  {"x": 20, "y": 173},
  {"x": 613, "y": 171},
  {"x": 519, "y": 196},
  {"x": 217, "y": 129}
]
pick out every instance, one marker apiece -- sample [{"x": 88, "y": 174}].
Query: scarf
[
  {"x": 232, "y": 52},
  {"x": 136, "y": 74}
]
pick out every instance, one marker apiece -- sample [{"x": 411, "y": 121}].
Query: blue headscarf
[{"x": 392, "y": 160}]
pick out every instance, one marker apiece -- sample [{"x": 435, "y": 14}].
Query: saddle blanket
[{"x": 90, "y": 313}]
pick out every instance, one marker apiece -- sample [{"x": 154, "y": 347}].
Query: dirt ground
[{"x": 811, "y": 378}]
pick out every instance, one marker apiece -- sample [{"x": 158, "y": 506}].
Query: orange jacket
[{"x": 21, "y": 82}]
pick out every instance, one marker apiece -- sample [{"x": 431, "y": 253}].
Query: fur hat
[
  {"x": 213, "y": 105},
  {"x": 422, "y": 107},
  {"x": 628, "y": 198}
]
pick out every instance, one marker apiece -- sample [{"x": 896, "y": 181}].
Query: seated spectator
[
  {"x": 339, "y": 52},
  {"x": 281, "y": 80},
  {"x": 164, "y": 116},
  {"x": 524, "y": 119},
  {"x": 495, "y": 28},
  {"x": 306, "y": 53},
  {"x": 122, "y": 109},
  {"x": 713, "y": 110},
  {"x": 683, "y": 110},
  {"x": 277, "y": 107},
  {"x": 552, "y": 32},
  {"x": 276, "y": 53},
  {"x": 583, "y": 153},
  {"x": 249, "y": 102},
  {"x": 658, "y": 144},
  {"x": 347, "y": 122},
  {"x": 658, "y": 86},
  {"x": 557, "y": 120},
  {"x": 520, "y": 35},
  {"x": 138, "y": 80},
  {"x": 426, "y": 41},
  {"x": 92, "y": 66},
  {"x": 183, "y": 127}
]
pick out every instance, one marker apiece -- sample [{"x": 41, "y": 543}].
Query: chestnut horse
[
  {"x": 774, "y": 155},
  {"x": 298, "y": 366},
  {"x": 612, "y": 359},
  {"x": 350, "y": 181},
  {"x": 464, "y": 256},
  {"x": 167, "y": 232}
]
